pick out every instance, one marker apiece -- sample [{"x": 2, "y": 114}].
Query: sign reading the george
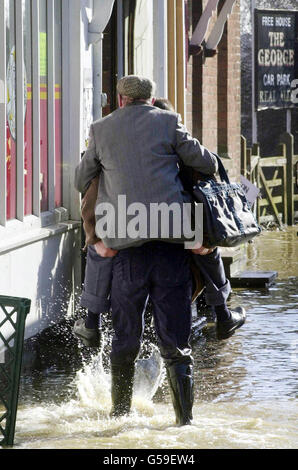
[{"x": 276, "y": 55}]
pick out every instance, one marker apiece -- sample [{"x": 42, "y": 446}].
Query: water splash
[
  {"x": 149, "y": 375},
  {"x": 87, "y": 412},
  {"x": 93, "y": 382}
]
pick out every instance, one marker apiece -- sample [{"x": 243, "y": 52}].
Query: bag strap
[{"x": 221, "y": 170}]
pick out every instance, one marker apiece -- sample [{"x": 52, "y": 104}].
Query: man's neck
[{"x": 133, "y": 102}]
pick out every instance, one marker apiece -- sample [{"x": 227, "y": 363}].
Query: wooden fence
[{"x": 277, "y": 179}]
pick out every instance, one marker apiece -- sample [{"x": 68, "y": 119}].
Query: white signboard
[{"x": 251, "y": 190}]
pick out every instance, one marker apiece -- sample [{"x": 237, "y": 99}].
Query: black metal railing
[{"x": 13, "y": 312}]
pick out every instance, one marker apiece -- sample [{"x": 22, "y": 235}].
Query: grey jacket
[{"x": 136, "y": 150}]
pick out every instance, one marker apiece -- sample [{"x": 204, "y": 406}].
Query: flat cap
[{"x": 136, "y": 87}]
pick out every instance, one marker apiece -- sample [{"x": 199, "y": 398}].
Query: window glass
[
  {"x": 128, "y": 25},
  {"x": 43, "y": 105},
  {"x": 11, "y": 158},
  {"x": 143, "y": 38},
  {"x": 138, "y": 37},
  {"x": 11, "y": 110},
  {"x": 58, "y": 85},
  {"x": 27, "y": 107}
]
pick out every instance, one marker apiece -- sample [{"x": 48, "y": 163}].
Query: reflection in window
[
  {"x": 128, "y": 19},
  {"x": 11, "y": 110},
  {"x": 28, "y": 108},
  {"x": 43, "y": 104},
  {"x": 143, "y": 38},
  {"x": 11, "y": 131},
  {"x": 138, "y": 37},
  {"x": 58, "y": 85}
]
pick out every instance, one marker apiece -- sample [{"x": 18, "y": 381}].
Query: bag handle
[{"x": 221, "y": 170}]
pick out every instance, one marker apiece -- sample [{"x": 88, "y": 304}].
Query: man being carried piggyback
[{"x": 136, "y": 152}]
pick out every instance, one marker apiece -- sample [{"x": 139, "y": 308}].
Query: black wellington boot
[
  {"x": 180, "y": 377},
  {"x": 122, "y": 388}
]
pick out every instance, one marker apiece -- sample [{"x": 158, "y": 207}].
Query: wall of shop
[{"x": 40, "y": 237}]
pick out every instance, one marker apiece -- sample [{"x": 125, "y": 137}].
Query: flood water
[{"x": 245, "y": 387}]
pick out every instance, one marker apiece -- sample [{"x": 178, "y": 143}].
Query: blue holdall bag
[{"x": 228, "y": 219}]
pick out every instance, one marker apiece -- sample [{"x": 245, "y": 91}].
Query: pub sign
[{"x": 276, "y": 57}]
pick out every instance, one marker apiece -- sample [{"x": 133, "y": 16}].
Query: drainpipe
[{"x": 102, "y": 10}]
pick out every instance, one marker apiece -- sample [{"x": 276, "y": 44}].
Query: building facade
[{"x": 59, "y": 64}]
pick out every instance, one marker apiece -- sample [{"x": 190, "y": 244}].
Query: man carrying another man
[{"x": 136, "y": 151}]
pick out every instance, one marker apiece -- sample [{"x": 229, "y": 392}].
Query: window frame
[{"x": 2, "y": 116}]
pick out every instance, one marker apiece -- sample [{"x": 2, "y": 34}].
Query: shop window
[
  {"x": 129, "y": 21},
  {"x": 58, "y": 107},
  {"x": 43, "y": 76},
  {"x": 143, "y": 38},
  {"x": 48, "y": 190},
  {"x": 10, "y": 111},
  {"x": 28, "y": 108},
  {"x": 138, "y": 37}
]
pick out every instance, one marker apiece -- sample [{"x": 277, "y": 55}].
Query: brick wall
[
  {"x": 229, "y": 92},
  {"x": 201, "y": 109},
  {"x": 209, "y": 98},
  {"x": 213, "y": 106}
]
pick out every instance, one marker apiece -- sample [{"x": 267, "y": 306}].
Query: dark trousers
[
  {"x": 160, "y": 271},
  {"x": 97, "y": 283},
  {"x": 218, "y": 287},
  {"x": 99, "y": 271}
]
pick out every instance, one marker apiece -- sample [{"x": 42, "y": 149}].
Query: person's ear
[
  {"x": 120, "y": 101},
  {"x": 153, "y": 101}
]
